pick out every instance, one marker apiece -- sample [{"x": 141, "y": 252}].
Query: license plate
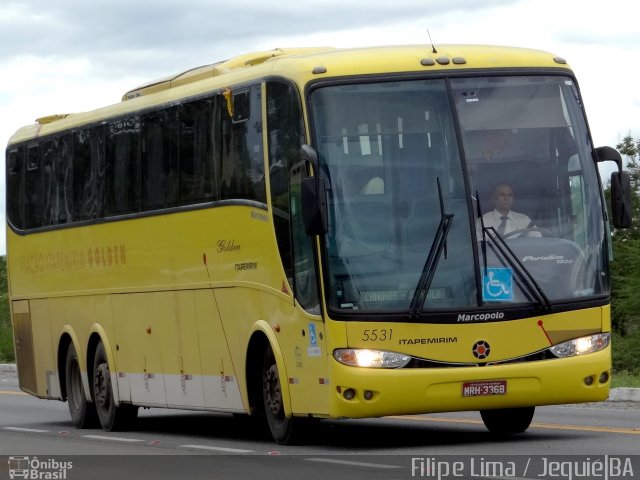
[{"x": 482, "y": 389}]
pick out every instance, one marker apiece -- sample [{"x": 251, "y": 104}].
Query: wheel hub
[
  {"x": 102, "y": 385},
  {"x": 273, "y": 395}
]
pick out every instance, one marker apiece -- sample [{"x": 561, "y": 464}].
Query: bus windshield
[{"x": 397, "y": 164}]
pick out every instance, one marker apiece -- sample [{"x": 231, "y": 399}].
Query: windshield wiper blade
[
  {"x": 534, "y": 288},
  {"x": 511, "y": 258},
  {"x": 438, "y": 245},
  {"x": 483, "y": 246}
]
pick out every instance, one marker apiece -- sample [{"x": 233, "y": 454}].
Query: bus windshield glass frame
[{"x": 401, "y": 154}]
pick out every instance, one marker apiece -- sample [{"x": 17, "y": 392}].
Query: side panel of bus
[{"x": 172, "y": 352}]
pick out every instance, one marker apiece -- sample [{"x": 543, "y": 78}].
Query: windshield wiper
[
  {"x": 511, "y": 258},
  {"x": 438, "y": 245}
]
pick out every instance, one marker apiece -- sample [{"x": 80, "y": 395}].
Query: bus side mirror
[
  {"x": 621, "y": 206},
  {"x": 621, "y": 199},
  {"x": 314, "y": 205},
  {"x": 313, "y": 193}
]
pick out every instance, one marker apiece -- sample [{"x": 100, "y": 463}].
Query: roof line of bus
[
  {"x": 312, "y": 60},
  {"x": 219, "y": 68}
]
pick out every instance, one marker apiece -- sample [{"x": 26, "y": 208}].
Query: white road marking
[
  {"x": 355, "y": 464},
  {"x": 217, "y": 449},
  {"x": 114, "y": 439},
  {"x": 20, "y": 429}
]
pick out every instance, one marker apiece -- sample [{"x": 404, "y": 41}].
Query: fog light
[
  {"x": 588, "y": 381},
  {"x": 604, "y": 377},
  {"x": 349, "y": 393},
  {"x": 368, "y": 395}
]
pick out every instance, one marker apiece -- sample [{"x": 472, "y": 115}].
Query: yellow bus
[{"x": 305, "y": 234}]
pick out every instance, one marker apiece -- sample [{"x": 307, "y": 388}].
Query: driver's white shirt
[{"x": 515, "y": 221}]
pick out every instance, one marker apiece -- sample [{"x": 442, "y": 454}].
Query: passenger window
[
  {"x": 33, "y": 189},
  {"x": 15, "y": 198},
  {"x": 123, "y": 166},
  {"x": 242, "y": 162},
  {"x": 197, "y": 178},
  {"x": 160, "y": 160}
]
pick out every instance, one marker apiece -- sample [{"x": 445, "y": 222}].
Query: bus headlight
[
  {"x": 357, "y": 357},
  {"x": 581, "y": 346}
]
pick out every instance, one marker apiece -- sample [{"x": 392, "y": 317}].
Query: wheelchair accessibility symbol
[{"x": 497, "y": 285}]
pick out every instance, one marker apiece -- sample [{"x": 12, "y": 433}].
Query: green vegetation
[
  {"x": 626, "y": 354},
  {"x": 625, "y": 380},
  {"x": 6, "y": 337},
  {"x": 625, "y": 279}
]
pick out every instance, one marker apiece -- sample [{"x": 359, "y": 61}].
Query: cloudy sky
[{"x": 66, "y": 56}]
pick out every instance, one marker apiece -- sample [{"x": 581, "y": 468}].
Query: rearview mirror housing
[
  {"x": 313, "y": 196},
  {"x": 621, "y": 206}
]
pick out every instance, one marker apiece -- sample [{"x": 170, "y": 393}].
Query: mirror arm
[
  {"x": 608, "y": 154},
  {"x": 309, "y": 155}
]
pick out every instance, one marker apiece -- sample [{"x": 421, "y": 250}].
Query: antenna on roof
[{"x": 433, "y": 48}]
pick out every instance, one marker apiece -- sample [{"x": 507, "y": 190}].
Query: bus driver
[{"x": 503, "y": 218}]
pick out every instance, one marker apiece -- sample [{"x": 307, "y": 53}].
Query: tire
[
  {"x": 112, "y": 417},
  {"x": 507, "y": 421},
  {"x": 83, "y": 413},
  {"x": 283, "y": 428}
]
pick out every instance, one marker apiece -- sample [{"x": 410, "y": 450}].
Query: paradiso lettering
[{"x": 548, "y": 258}]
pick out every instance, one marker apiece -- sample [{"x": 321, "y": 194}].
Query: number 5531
[{"x": 377, "y": 335}]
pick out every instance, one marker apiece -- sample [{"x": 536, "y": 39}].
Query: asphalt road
[{"x": 180, "y": 444}]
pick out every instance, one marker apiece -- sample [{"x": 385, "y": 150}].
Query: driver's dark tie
[{"x": 503, "y": 225}]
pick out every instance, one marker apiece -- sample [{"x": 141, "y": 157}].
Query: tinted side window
[
  {"x": 81, "y": 172},
  {"x": 123, "y": 166},
  {"x": 88, "y": 173},
  {"x": 242, "y": 169},
  {"x": 285, "y": 133},
  {"x": 15, "y": 192},
  {"x": 33, "y": 189},
  {"x": 57, "y": 171},
  {"x": 197, "y": 177},
  {"x": 160, "y": 160}
]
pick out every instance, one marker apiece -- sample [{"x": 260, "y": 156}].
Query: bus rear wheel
[
  {"x": 282, "y": 427},
  {"x": 83, "y": 413},
  {"x": 112, "y": 417},
  {"x": 507, "y": 421}
]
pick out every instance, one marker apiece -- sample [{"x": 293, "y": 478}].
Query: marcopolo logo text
[{"x": 480, "y": 317}]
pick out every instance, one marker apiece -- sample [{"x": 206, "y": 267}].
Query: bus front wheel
[
  {"x": 281, "y": 426},
  {"x": 112, "y": 417},
  {"x": 83, "y": 413},
  {"x": 506, "y": 421}
]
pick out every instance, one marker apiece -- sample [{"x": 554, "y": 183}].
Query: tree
[
  {"x": 6, "y": 335},
  {"x": 3, "y": 275},
  {"x": 625, "y": 268},
  {"x": 630, "y": 148}
]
